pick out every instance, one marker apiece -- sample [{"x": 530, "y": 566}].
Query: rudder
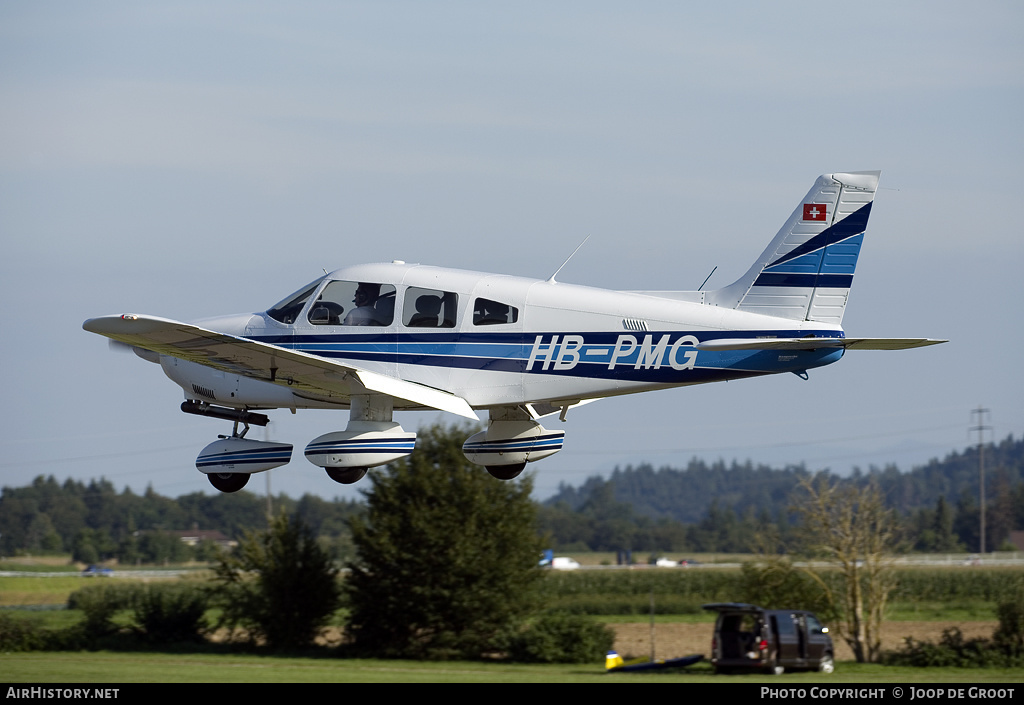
[{"x": 807, "y": 270}]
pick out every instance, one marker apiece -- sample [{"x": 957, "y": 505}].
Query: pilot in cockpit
[{"x": 364, "y": 314}]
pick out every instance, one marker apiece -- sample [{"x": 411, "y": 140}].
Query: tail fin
[{"x": 807, "y": 270}]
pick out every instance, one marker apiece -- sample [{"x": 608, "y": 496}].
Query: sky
[{"x": 192, "y": 159}]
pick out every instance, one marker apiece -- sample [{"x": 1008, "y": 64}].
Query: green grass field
[
  {"x": 108, "y": 667},
  {"x": 206, "y": 664}
]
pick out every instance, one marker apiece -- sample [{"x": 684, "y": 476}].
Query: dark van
[{"x": 748, "y": 637}]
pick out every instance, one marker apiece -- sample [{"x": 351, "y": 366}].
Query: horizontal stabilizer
[
  {"x": 817, "y": 343},
  {"x": 269, "y": 363}
]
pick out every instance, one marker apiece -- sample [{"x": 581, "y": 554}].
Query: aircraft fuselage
[{"x": 549, "y": 342}]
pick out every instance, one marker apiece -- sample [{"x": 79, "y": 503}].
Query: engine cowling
[
  {"x": 364, "y": 444},
  {"x": 242, "y": 455}
]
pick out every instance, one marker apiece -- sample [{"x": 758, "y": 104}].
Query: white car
[{"x": 563, "y": 563}]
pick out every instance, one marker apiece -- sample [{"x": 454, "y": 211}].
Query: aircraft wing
[
  {"x": 817, "y": 343},
  {"x": 270, "y": 363}
]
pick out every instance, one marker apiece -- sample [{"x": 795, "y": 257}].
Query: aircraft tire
[
  {"x": 228, "y": 481},
  {"x": 346, "y": 476},
  {"x": 506, "y": 472}
]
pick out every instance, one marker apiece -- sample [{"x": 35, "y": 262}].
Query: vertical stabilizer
[{"x": 807, "y": 270}]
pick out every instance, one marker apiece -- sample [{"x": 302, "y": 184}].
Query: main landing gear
[
  {"x": 371, "y": 438},
  {"x": 512, "y": 439},
  {"x": 346, "y": 476},
  {"x": 506, "y": 472}
]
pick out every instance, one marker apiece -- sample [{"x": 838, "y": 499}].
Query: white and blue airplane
[{"x": 378, "y": 338}]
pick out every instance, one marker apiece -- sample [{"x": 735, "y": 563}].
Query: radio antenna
[
  {"x": 551, "y": 279},
  {"x": 706, "y": 279}
]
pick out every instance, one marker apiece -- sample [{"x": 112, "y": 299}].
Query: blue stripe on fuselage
[{"x": 658, "y": 357}]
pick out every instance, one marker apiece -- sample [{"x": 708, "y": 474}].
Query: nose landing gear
[
  {"x": 229, "y": 461},
  {"x": 228, "y": 481}
]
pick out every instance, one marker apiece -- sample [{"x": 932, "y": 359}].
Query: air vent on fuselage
[
  {"x": 634, "y": 324},
  {"x": 203, "y": 391}
]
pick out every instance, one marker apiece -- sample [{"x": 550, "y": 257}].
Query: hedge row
[
  {"x": 160, "y": 613},
  {"x": 683, "y": 591}
]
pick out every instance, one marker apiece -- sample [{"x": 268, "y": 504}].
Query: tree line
[
  {"x": 94, "y": 522},
  {"x": 704, "y": 507},
  {"x": 718, "y": 507},
  {"x": 685, "y": 494}
]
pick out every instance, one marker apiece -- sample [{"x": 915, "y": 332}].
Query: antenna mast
[
  {"x": 551, "y": 279},
  {"x": 980, "y": 430}
]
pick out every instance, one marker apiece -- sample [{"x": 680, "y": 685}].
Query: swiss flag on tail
[{"x": 814, "y": 211}]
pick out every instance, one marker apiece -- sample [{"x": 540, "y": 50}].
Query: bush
[
  {"x": 105, "y": 595},
  {"x": 1010, "y": 610},
  {"x": 99, "y": 603},
  {"x": 161, "y": 613},
  {"x": 953, "y": 651},
  {"x": 19, "y": 634},
  {"x": 446, "y": 556},
  {"x": 279, "y": 587},
  {"x": 170, "y": 613},
  {"x": 561, "y": 638}
]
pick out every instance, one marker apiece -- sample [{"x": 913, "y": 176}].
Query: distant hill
[{"x": 686, "y": 494}]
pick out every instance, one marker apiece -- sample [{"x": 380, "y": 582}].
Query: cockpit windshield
[{"x": 288, "y": 309}]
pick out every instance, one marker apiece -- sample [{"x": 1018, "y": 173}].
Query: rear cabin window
[
  {"x": 345, "y": 303},
  {"x": 429, "y": 308},
  {"x": 491, "y": 313}
]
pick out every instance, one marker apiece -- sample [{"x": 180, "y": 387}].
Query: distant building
[{"x": 192, "y": 537}]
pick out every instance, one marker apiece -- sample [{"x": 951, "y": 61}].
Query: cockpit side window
[
  {"x": 288, "y": 309},
  {"x": 490, "y": 313},
  {"x": 345, "y": 303},
  {"x": 429, "y": 308}
]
